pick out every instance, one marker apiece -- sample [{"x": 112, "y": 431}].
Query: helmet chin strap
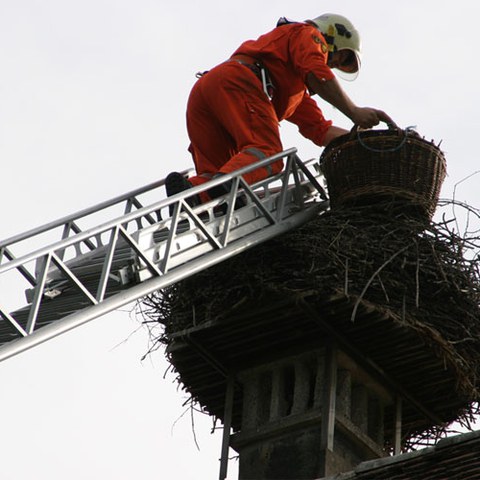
[{"x": 329, "y": 58}]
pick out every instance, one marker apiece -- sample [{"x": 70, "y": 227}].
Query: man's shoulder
[
  {"x": 287, "y": 30},
  {"x": 304, "y": 33},
  {"x": 292, "y": 26}
]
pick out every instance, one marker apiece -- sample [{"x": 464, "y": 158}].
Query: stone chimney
[{"x": 308, "y": 416}]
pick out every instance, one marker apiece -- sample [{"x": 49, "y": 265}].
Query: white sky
[{"x": 92, "y": 104}]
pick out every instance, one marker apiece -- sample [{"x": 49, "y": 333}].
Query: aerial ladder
[{"x": 96, "y": 261}]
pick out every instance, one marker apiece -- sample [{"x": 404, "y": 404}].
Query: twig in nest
[
  {"x": 346, "y": 277},
  {"x": 370, "y": 280},
  {"x": 417, "y": 280}
]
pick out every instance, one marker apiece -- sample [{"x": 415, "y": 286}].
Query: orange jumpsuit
[{"x": 231, "y": 122}]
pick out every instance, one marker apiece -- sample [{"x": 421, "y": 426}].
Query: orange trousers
[{"x": 231, "y": 123}]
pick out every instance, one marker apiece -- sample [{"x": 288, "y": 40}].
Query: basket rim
[{"x": 355, "y": 139}]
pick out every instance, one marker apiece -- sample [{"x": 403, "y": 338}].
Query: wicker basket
[{"x": 377, "y": 167}]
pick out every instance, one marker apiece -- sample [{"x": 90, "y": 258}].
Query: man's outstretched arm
[{"x": 332, "y": 92}]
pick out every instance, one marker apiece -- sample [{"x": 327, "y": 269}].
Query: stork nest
[{"x": 427, "y": 270}]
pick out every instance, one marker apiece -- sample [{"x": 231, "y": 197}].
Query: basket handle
[{"x": 355, "y": 133}]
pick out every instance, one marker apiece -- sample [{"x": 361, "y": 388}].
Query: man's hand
[{"x": 367, "y": 117}]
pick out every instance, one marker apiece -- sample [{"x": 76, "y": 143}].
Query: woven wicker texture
[{"x": 378, "y": 166}]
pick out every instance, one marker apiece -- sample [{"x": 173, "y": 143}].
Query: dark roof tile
[{"x": 453, "y": 458}]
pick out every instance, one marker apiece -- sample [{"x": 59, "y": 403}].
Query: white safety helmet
[{"x": 340, "y": 34}]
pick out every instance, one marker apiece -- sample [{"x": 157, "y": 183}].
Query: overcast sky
[{"x": 92, "y": 104}]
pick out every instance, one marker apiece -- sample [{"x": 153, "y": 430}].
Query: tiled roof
[{"x": 453, "y": 458}]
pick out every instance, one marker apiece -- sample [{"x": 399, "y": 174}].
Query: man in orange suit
[{"x": 234, "y": 110}]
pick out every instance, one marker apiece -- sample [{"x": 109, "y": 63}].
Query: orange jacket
[{"x": 290, "y": 52}]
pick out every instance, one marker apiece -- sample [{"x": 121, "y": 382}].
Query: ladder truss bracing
[{"x": 96, "y": 261}]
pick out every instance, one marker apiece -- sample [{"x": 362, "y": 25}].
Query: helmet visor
[{"x": 347, "y": 62}]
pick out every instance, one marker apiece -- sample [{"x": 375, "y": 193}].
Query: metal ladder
[{"x": 96, "y": 269}]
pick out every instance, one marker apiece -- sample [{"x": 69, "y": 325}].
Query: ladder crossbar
[{"x": 107, "y": 264}]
